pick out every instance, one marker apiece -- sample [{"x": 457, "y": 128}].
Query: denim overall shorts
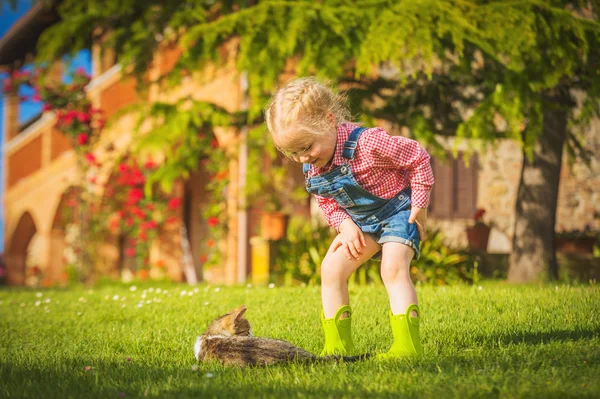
[{"x": 386, "y": 220}]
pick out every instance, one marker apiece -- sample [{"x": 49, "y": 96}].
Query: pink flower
[
  {"x": 479, "y": 214},
  {"x": 134, "y": 196},
  {"x": 174, "y": 203},
  {"x": 88, "y": 368},
  {"x": 149, "y": 225},
  {"x": 90, "y": 158},
  {"x": 83, "y": 117},
  {"x": 80, "y": 71},
  {"x": 130, "y": 252},
  {"x": 172, "y": 220},
  {"x": 212, "y": 221},
  {"x": 36, "y": 97},
  {"x": 149, "y": 164},
  {"x": 82, "y": 139}
]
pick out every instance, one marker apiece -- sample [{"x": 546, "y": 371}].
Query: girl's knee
[
  {"x": 395, "y": 271},
  {"x": 332, "y": 272}
]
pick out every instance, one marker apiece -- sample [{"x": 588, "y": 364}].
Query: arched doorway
[
  {"x": 16, "y": 254},
  {"x": 63, "y": 225},
  {"x": 197, "y": 228},
  {"x": 113, "y": 251}
]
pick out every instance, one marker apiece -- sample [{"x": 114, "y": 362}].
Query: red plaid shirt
[{"x": 383, "y": 165}]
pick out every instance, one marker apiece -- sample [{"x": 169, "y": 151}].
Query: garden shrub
[{"x": 298, "y": 259}]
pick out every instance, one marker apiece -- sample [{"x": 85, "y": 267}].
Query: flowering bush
[
  {"x": 16, "y": 79},
  {"x": 135, "y": 203},
  {"x": 134, "y": 213},
  {"x": 215, "y": 208}
]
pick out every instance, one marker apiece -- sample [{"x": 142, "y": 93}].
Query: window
[{"x": 454, "y": 193}]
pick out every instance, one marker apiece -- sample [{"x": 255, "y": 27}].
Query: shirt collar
[{"x": 343, "y": 131}]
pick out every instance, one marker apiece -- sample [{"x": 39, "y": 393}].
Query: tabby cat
[{"x": 229, "y": 339}]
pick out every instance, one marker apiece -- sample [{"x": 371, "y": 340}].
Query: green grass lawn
[{"x": 112, "y": 341}]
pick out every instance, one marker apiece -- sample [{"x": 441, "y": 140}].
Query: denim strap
[
  {"x": 349, "y": 147},
  {"x": 352, "y": 142}
]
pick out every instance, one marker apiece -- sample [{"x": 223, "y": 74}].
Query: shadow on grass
[
  {"x": 109, "y": 379},
  {"x": 534, "y": 338},
  {"x": 114, "y": 380}
]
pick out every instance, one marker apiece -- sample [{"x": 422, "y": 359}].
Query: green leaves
[{"x": 472, "y": 68}]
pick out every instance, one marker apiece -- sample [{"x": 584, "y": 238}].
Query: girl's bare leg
[
  {"x": 395, "y": 273},
  {"x": 335, "y": 272}
]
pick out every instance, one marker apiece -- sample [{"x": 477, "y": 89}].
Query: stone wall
[
  {"x": 500, "y": 171},
  {"x": 579, "y": 192}
]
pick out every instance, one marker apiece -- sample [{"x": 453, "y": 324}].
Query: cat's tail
[{"x": 349, "y": 359}]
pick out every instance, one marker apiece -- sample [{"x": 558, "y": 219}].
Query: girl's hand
[
  {"x": 418, "y": 215},
  {"x": 350, "y": 238}
]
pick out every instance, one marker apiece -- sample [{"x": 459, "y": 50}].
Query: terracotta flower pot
[
  {"x": 575, "y": 245},
  {"x": 478, "y": 236},
  {"x": 273, "y": 225}
]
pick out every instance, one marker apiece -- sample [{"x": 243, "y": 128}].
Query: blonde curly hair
[{"x": 303, "y": 107}]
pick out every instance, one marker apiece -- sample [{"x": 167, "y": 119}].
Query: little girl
[{"x": 373, "y": 189}]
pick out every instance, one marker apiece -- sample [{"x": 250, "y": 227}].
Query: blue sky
[{"x": 27, "y": 109}]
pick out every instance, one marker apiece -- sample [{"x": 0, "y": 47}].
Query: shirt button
[{"x": 307, "y": 184}]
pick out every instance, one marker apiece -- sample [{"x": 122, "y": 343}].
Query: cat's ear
[{"x": 238, "y": 312}]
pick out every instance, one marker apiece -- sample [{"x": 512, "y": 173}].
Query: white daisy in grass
[{"x": 132, "y": 288}]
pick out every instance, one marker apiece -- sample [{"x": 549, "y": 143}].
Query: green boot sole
[
  {"x": 338, "y": 339},
  {"x": 407, "y": 339}
]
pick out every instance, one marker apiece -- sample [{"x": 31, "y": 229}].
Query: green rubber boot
[
  {"x": 338, "y": 340},
  {"x": 407, "y": 340}
]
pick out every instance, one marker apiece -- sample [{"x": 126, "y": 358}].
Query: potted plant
[
  {"x": 268, "y": 185},
  {"x": 273, "y": 221},
  {"x": 478, "y": 234}
]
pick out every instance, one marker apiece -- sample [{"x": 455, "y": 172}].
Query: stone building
[{"x": 39, "y": 170}]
